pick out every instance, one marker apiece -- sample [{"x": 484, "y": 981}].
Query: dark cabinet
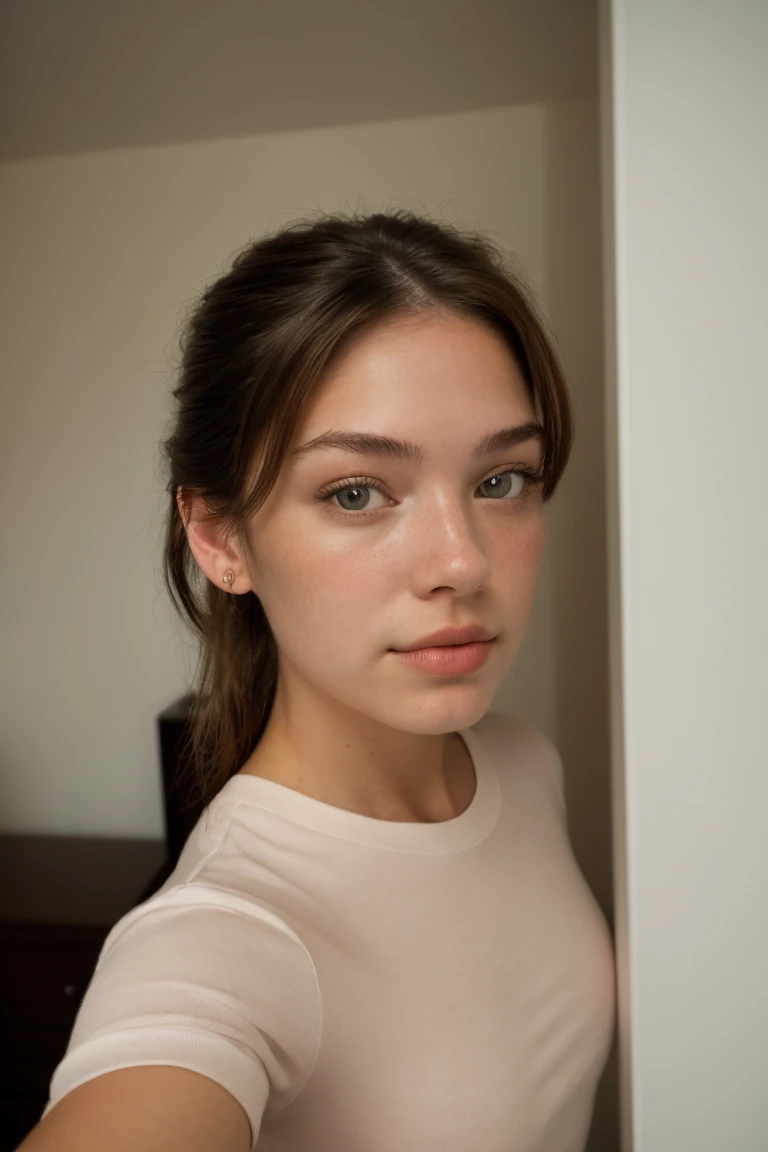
[{"x": 59, "y": 897}]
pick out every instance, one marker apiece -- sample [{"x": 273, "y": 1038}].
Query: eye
[
  {"x": 356, "y": 487},
  {"x": 522, "y": 487}
]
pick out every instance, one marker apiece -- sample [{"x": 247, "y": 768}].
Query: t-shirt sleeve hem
[{"x": 244, "y": 1076}]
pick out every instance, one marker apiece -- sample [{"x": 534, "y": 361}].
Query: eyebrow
[{"x": 367, "y": 444}]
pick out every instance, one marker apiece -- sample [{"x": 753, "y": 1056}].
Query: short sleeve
[{"x": 205, "y": 980}]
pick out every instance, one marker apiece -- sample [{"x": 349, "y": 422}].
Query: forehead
[{"x": 420, "y": 376}]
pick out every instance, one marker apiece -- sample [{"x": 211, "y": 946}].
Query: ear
[{"x": 212, "y": 551}]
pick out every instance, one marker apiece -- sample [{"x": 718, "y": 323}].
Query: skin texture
[{"x": 352, "y": 724}]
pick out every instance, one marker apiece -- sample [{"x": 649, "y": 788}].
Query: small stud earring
[{"x": 229, "y": 576}]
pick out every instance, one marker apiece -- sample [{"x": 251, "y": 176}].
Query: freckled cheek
[
  {"x": 316, "y": 598},
  {"x": 325, "y": 595},
  {"x": 521, "y": 556},
  {"x": 532, "y": 543}
]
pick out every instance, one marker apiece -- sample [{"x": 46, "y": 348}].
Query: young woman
[{"x": 377, "y": 937}]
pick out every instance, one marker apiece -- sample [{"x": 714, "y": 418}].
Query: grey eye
[
  {"x": 500, "y": 485},
  {"x": 358, "y": 496}
]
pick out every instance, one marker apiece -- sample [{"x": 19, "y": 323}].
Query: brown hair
[{"x": 252, "y": 350}]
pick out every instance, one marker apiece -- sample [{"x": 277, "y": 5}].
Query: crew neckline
[{"x": 469, "y": 827}]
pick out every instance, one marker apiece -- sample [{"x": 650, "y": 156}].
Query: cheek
[
  {"x": 521, "y": 557},
  {"x": 317, "y": 600},
  {"x": 532, "y": 542}
]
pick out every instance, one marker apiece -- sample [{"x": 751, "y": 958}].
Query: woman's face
[{"x": 411, "y": 546}]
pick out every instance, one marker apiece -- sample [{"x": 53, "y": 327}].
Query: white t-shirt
[{"x": 364, "y": 985}]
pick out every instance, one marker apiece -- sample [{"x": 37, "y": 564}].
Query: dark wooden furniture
[{"x": 59, "y": 897}]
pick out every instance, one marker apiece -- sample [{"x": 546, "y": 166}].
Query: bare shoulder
[{"x": 158, "y": 1108}]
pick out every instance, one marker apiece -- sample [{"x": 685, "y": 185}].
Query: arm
[
  {"x": 158, "y": 1108},
  {"x": 199, "y": 1001}
]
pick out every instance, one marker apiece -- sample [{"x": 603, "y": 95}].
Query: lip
[
  {"x": 449, "y": 636},
  {"x": 448, "y": 659}
]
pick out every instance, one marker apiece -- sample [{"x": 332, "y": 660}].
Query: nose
[{"x": 448, "y": 551}]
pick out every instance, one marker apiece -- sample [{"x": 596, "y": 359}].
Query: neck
[{"x": 361, "y": 765}]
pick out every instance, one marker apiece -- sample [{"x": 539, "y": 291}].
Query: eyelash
[{"x": 533, "y": 479}]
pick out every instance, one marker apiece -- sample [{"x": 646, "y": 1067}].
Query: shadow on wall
[{"x": 578, "y": 519}]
